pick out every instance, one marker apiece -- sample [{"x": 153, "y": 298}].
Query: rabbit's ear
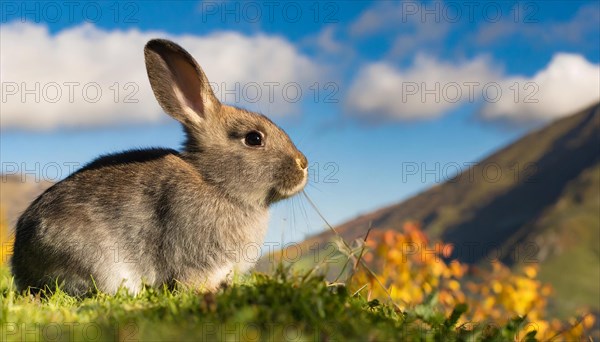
[{"x": 178, "y": 82}]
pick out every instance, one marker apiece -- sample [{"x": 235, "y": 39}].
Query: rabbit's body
[
  {"x": 152, "y": 236},
  {"x": 159, "y": 216}
]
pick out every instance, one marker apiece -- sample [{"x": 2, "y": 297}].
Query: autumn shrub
[
  {"x": 408, "y": 269},
  {"x": 6, "y": 239}
]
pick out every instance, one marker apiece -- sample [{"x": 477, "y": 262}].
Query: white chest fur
[
  {"x": 249, "y": 251},
  {"x": 244, "y": 254}
]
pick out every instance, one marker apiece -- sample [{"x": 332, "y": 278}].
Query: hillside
[
  {"x": 534, "y": 201},
  {"x": 16, "y": 193}
]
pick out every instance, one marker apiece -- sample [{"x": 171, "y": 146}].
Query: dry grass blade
[
  {"x": 566, "y": 329},
  {"x": 350, "y": 256},
  {"x": 362, "y": 263},
  {"x": 362, "y": 251}
]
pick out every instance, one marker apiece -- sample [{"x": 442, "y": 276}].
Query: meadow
[
  {"x": 384, "y": 295},
  {"x": 282, "y": 306}
]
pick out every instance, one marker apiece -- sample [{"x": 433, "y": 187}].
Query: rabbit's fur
[{"x": 160, "y": 216}]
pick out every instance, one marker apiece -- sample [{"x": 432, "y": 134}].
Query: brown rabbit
[{"x": 160, "y": 216}]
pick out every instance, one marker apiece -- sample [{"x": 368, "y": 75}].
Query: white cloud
[
  {"x": 428, "y": 89},
  {"x": 88, "y": 56},
  {"x": 568, "y": 83}
]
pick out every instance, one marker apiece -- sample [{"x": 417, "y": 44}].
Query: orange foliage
[
  {"x": 6, "y": 240},
  {"x": 411, "y": 268}
]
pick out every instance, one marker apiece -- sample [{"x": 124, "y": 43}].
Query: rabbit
[{"x": 160, "y": 216}]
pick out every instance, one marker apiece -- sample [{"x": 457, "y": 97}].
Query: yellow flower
[
  {"x": 496, "y": 286},
  {"x": 6, "y": 241},
  {"x": 488, "y": 303},
  {"x": 454, "y": 285},
  {"x": 588, "y": 321},
  {"x": 395, "y": 256},
  {"x": 530, "y": 271},
  {"x": 427, "y": 288}
]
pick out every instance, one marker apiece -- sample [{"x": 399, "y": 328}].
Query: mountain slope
[
  {"x": 534, "y": 171},
  {"x": 17, "y": 192}
]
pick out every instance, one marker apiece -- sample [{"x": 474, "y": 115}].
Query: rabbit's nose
[{"x": 302, "y": 162}]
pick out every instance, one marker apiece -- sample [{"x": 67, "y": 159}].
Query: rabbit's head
[{"x": 243, "y": 153}]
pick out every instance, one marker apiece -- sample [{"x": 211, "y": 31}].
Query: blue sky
[{"x": 365, "y": 128}]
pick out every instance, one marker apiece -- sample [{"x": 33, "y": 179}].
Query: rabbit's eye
[{"x": 254, "y": 139}]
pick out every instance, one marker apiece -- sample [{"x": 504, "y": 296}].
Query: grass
[{"x": 283, "y": 306}]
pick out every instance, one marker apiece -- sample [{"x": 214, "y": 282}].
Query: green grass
[{"x": 283, "y": 306}]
